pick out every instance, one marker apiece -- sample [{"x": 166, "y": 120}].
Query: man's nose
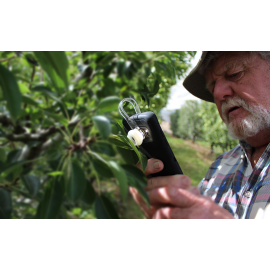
[{"x": 222, "y": 89}]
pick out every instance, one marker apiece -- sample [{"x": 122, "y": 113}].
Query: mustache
[{"x": 234, "y": 102}]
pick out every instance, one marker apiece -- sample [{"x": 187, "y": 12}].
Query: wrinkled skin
[
  {"x": 239, "y": 74},
  {"x": 173, "y": 197}
]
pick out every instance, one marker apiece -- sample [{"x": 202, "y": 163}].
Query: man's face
[{"x": 240, "y": 84}]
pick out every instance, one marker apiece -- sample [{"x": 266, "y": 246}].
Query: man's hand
[{"x": 173, "y": 197}]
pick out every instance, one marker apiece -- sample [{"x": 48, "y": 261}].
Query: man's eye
[{"x": 235, "y": 76}]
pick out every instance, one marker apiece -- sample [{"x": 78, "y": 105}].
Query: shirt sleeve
[{"x": 201, "y": 186}]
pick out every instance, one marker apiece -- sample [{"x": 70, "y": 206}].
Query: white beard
[{"x": 257, "y": 120}]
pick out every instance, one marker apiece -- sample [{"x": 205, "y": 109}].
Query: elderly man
[{"x": 237, "y": 184}]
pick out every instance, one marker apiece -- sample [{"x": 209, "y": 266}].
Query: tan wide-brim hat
[{"x": 195, "y": 82}]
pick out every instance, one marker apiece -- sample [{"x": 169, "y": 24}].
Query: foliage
[
  {"x": 189, "y": 123},
  {"x": 60, "y": 134},
  {"x": 193, "y": 158},
  {"x": 174, "y": 123},
  {"x": 214, "y": 130},
  {"x": 202, "y": 120}
]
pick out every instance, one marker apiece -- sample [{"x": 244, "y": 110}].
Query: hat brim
[{"x": 195, "y": 82}]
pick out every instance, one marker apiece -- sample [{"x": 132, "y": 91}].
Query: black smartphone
[{"x": 155, "y": 144}]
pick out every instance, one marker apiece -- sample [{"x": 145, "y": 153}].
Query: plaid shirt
[{"x": 233, "y": 184}]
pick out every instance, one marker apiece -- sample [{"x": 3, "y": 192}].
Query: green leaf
[
  {"x": 50, "y": 205},
  {"x": 2, "y": 166},
  {"x": 53, "y": 154},
  {"x": 5, "y": 204},
  {"x": 106, "y": 58},
  {"x": 129, "y": 156},
  {"x": 121, "y": 178},
  {"x": 11, "y": 92},
  {"x": 2, "y": 134},
  {"x": 32, "y": 184},
  {"x": 75, "y": 180},
  {"x": 28, "y": 100},
  {"x": 121, "y": 68},
  {"x": 168, "y": 56},
  {"x": 46, "y": 91},
  {"x": 137, "y": 179},
  {"x": 109, "y": 104},
  {"x": 6, "y": 54},
  {"x": 57, "y": 117},
  {"x": 107, "y": 70},
  {"x": 29, "y": 57},
  {"x": 13, "y": 156},
  {"x": 155, "y": 88},
  {"x": 23, "y": 88},
  {"x": 103, "y": 148},
  {"x": 147, "y": 71},
  {"x": 142, "y": 158},
  {"x": 119, "y": 125},
  {"x": 104, "y": 208},
  {"x": 170, "y": 71},
  {"x": 145, "y": 97},
  {"x": 14, "y": 168},
  {"x": 135, "y": 173},
  {"x": 119, "y": 141},
  {"x": 86, "y": 54},
  {"x": 160, "y": 66},
  {"x": 55, "y": 64},
  {"x": 56, "y": 173},
  {"x": 89, "y": 194},
  {"x": 107, "y": 90},
  {"x": 101, "y": 166},
  {"x": 26, "y": 170},
  {"x": 103, "y": 125},
  {"x": 3, "y": 155}
]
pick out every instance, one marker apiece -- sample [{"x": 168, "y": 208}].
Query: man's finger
[
  {"x": 148, "y": 212},
  {"x": 178, "y": 181},
  {"x": 171, "y": 213},
  {"x": 153, "y": 166},
  {"x": 194, "y": 190},
  {"x": 174, "y": 196}
]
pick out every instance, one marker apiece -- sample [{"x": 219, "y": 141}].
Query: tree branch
[
  {"x": 49, "y": 143},
  {"x": 7, "y": 59},
  {"x": 40, "y": 135}
]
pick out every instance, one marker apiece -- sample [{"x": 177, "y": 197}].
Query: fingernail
[
  {"x": 172, "y": 191},
  {"x": 156, "y": 165}
]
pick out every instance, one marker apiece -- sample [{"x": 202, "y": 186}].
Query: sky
[{"x": 179, "y": 94}]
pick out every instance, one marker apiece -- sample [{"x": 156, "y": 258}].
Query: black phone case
[{"x": 155, "y": 144}]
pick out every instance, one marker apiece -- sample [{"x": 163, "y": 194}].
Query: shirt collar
[{"x": 246, "y": 148}]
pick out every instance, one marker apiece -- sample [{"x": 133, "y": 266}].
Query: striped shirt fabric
[{"x": 233, "y": 184}]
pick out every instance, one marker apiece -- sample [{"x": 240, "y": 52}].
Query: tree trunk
[{"x": 212, "y": 148}]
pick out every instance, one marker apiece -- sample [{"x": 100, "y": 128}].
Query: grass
[{"x": 194, "y": 159}]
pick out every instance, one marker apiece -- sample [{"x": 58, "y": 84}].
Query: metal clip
[{"x": 136, "y": 135}]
